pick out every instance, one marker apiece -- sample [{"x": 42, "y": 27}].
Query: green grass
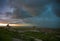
[
  {"x": 40, "y": 35},
  {"x": 6, "y": 35}
]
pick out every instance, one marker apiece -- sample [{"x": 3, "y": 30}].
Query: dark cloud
[
  {"x": 39, "y": 12},
  {"x": 19, "y": 13},
  {"x": 56, "y": 7},
  {"x": 35, "y": 7},
  {"x": 3, "y": 3}
]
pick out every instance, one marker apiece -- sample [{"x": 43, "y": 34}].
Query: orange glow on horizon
[
  {"x": 19, "y": 24},
  {"x": 5, "y": 24}
]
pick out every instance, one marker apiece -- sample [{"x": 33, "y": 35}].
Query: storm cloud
[{"x": 40, "y": 12}]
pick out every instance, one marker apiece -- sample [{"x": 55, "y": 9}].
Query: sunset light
[
  {"x": 5, "y": 24},
  {"x": 1, "y": 24}
]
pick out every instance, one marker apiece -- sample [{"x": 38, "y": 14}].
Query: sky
[{"x": 43, "y": 13}]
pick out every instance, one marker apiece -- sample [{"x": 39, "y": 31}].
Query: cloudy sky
[{"x": 43, "y": 13}]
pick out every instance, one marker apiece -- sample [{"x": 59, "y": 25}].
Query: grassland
[{"x": 29, "y": 34}]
